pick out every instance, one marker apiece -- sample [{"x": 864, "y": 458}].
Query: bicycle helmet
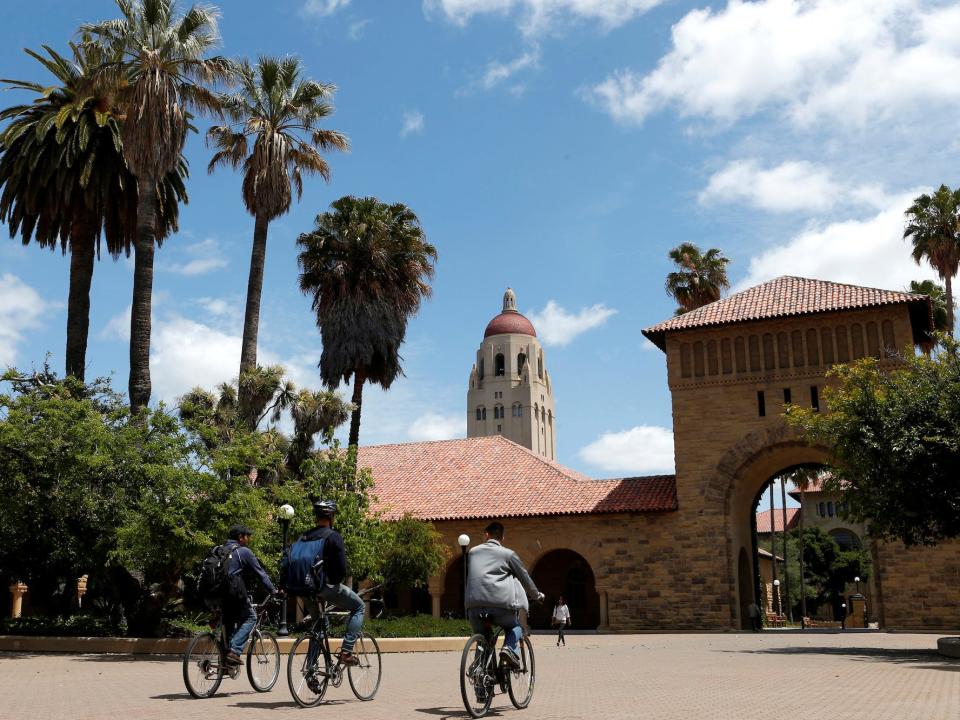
[{"x": 324, "y": 508}]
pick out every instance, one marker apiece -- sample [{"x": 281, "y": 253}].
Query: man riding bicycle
[
  {"x": 493, "y": 590},
  {"x": 238, "y": 612},
  {"x": 334, "y": 569}
]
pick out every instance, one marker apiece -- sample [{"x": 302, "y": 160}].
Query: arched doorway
[
  {"x": 565, "y": 572},
  {"x": 452, "y": 601}
]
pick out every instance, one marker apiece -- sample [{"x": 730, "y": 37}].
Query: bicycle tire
[
  {"x": 365, "y": 677},
  {"x": 520, "y": 682},
  {"x": 205, "y": 657},
  {"x": 263, "y": 661},
  {"x": 472, "y": 677},
  {"x": 297, "y": 673}
]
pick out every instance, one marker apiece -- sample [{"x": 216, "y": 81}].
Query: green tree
[
  {"x": 275, "y": 139},
  {"x": 156, "y": 61},
  {"x": 895, "y": 440},
  {"x": 828, "y": 569},
  {"x": 65, "y": 182},
  {"x": 933, "y": 226},
  {"x": 699, "y": 279},
  {"x": 367, "y": 266},
  {"x": 938, "y": 300},
  {"x": 413, "y": 552}
]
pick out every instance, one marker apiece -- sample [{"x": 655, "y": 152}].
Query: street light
[
  {"x": 843, "y": 616},
  {"x": 857, "y": 581},
  {"x": 464, "y": 541},
  {"x": 286, "y": 515},
  {"x": 776, "y": 595}
]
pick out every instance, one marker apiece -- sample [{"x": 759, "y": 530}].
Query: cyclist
[
  {"x": 497, "y": 585},
  {"x": 333, "y": 591},
  {"x": 237, "y": 610}
]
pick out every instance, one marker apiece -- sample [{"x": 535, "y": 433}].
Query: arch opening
[{"x": 567, "y": 573}]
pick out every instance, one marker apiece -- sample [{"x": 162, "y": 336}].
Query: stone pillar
[
  {"x": 363, "y": 585},
  {"x": 18, "y": 590},
  {"x": 435, "y": 586},
  {"x": 81, "y": 589},
  {"x": 604, "y": 626}
]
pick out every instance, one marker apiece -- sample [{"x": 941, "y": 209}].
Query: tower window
[
  {"x": 787, "y": 396},
  {"x": 521, "y": 361},
  {"x": 499, "y": 428},
  {"x": 815, "y": 398},
  {"x": 481, "y": 369},
  {"x": 540, "y": 366},
  {"x": 761, "y": 404},
  {"x": 498, "y": 365},
  {"x": 830, "y": 508}
]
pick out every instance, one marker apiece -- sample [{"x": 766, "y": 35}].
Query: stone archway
[
  {"x": 566, "y": 572},
  {"x": 744, "y": 583},
  {"x": 452, "y": 601}
]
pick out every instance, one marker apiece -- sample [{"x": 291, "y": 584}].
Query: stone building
[
  {"x": 679, "y": 551},
  {"x": 510, "y": 392}
]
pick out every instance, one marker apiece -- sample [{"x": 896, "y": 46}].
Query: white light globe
[
  {"x": 776, "y": 583},
  {"x": 464, "y": 540},
  {"x": 286, "y": 512},
  {"x": 857, "y": 579}
]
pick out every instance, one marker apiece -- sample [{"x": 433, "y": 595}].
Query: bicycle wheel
[
  {"x": 308, "y": 683},
  {"x": 263, "y": 661},
  {"x": 365, "y": 677},
  {"x": 520, "y": 680},
  {"x": 203, "y": 666},
  {"x": 476, "y": 684}
]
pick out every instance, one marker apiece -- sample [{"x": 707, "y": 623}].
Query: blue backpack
[{"x": 304, "y": 567}]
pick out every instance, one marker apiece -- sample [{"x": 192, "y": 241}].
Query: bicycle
[
  {"x": 308, "y": 679},
  {"x": 205, "y": 660},
  {"x": 481, "y": 671}
]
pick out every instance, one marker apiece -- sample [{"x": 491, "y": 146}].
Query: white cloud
[
  {"x": 117, "y": 327},
  {"x": 788, "y": 187},
  {"x": 412, "y": 123},
  {"x": 21, "y": 310},
  {"x": 323, "y": 8},
  {"x": 197, "y": 259},
  {"x": 641, "y": 449},
  {"x": 847, "y": 61},
  {"x": 539, "y": 16},
  {"x": 869, "y": 251},
  {"x": 356, "y": 29},
  {"x": 217, "y": 306},
  {"x": 556, "y": 326},
  {"x": 497, "y": 72},
  {"x": 433, "y": 426}
]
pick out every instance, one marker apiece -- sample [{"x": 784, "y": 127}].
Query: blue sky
[{"x": 560, "y": 147}]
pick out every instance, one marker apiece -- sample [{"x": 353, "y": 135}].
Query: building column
[
  {"x": 435, "y": 586},
  {"x": 18, "y": 590},
  {"x": 81, "y": 589},
  {"x": 363, "y": 585},
  {"x": 604, "y": 626}
]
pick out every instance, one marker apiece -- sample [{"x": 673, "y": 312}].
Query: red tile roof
[
  {"x": 509, "y": 322},
  {"x": 786, "y": 296},
  {"x": 492, "y": 477},
  {"x": 763, "y": 520}
]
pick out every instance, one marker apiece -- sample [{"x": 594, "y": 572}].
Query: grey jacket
[{"x": 493, "y": 572}]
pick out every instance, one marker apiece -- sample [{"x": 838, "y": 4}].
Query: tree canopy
[{"x": 895, "y": 438}]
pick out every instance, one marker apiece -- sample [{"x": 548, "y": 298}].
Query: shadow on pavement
[
  {"x": 922, "y": 659},
  {"x": 125, "y": 657},
  {"x": 453, "y": 712},
  {"x": 186, "y": 696},
  {"x": 271, "y": 705}
]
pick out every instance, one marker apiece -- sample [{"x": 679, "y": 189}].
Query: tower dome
[{"x": 509, "y": 321}]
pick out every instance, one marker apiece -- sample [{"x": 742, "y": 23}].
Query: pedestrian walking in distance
[{"x": 561, "y": 618}]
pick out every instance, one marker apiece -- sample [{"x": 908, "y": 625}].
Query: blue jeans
[
  {"x": 343, "y": 598},
  {"x": 239, "y": 638},
  {"x": 507, "y": 619}
]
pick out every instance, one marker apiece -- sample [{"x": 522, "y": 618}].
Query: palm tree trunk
[
  {"x": 140, "y": 313},
  {"x": 251, "y": 318},
  {"x": 359, "y": 378},
  {"x": 78, "y": 305},
  {"x": 803, "y": 592},
  {"x": 948, "y": 286}
]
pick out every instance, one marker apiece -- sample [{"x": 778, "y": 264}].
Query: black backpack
[
  {"x": 304, "y": 567},
  {"x": 215, "y": 584}
]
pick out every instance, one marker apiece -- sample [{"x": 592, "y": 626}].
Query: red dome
[{"x": 509, "y": 323}]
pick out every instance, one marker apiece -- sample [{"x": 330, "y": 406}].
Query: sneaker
[
  {"x": 234, "y": 658},
  {"x": 510, "y": 657},
  {"x": 348, "y": 658}
]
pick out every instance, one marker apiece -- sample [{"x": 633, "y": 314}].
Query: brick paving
[{"x": 737, "y": 676}]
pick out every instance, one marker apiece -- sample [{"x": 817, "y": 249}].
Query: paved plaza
[{"x": 874, "y": 676}]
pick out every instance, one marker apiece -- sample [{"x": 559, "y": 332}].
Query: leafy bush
[
  {"x": 72, "y": 626},
  {"x": 411, "y": 626}
]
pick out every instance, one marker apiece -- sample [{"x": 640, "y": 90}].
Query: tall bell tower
[{"x": 510, "y": 392}]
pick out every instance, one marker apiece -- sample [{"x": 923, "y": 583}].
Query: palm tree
[
  {"x": 65, "y": 181},
  {"x": 938, "y": 299},
  {"x": 933, "y": 225},
  {"x": 699, "y": 279},
  {"x": 367, "y": 266},
  {"x": 158, "y": 64},
  {"x": 275, "y": 139}
]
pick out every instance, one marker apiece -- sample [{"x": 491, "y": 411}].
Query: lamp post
[
  {"x": 843, "y": 616},
  {"x": 464, "y": 541},
  {"x": 776, "y": 596},
  {"x": 286, "y": 515},
  {"x": 857, "y": 581}
]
